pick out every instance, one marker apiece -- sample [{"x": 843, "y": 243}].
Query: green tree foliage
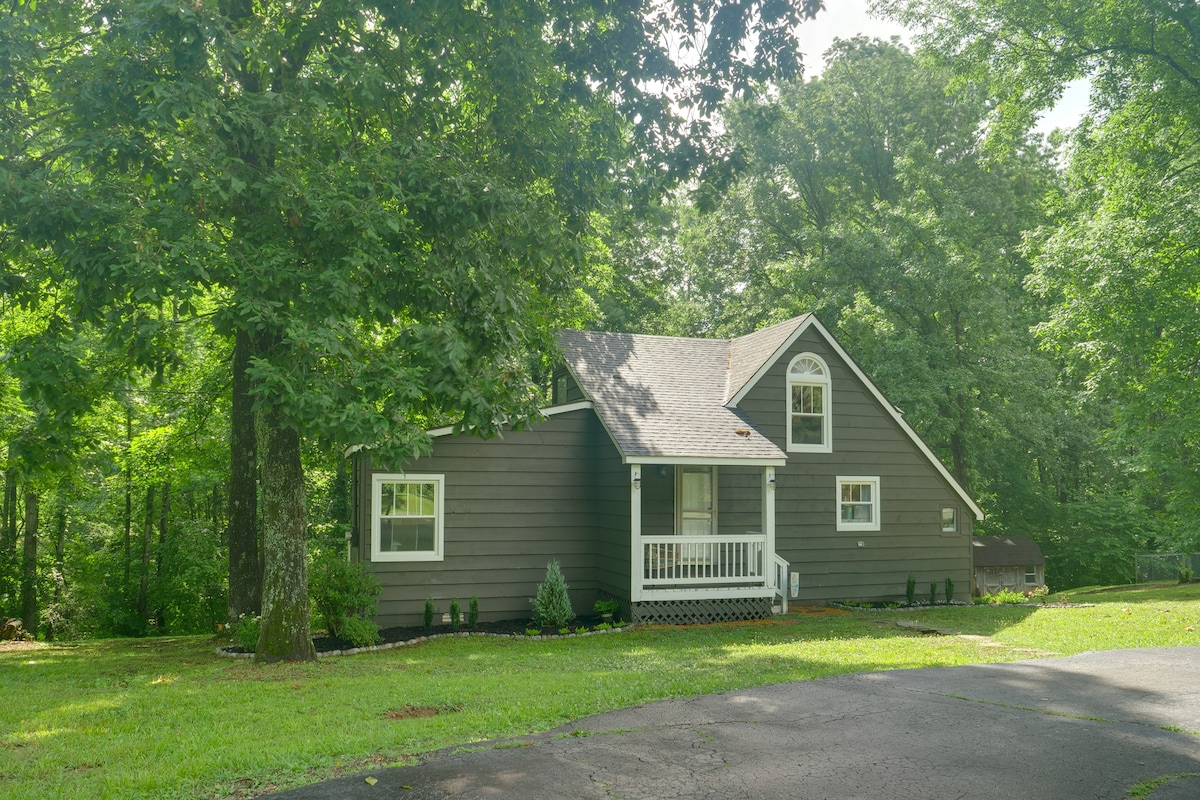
[
  {"x": 385, "y": 199},
  {"x": 1120, "y": 269},
  {"x": 866, "y": 196}
]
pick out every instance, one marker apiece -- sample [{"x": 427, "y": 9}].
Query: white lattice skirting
[{"x": 693, "y": 612}]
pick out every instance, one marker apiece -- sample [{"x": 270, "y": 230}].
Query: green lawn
[{"x": 168, "y": 718}]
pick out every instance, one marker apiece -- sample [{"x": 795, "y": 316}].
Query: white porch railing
[
  {"x": 704, "y": 560},
  {"x": 782, "y": 583}
]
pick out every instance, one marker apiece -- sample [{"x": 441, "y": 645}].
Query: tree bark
[
  {"x": 245, "y": 567},
  {"x": 29, "y": 603},
  {"x": 8, "y": 529},
  {"x": 285, "y": 634},
  {"x": 143, "y": 602}
]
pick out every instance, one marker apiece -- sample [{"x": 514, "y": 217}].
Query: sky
[{"x": 843, "y": 19}]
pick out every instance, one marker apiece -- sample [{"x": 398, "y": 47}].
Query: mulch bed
[{"x": 391, "y": 637}]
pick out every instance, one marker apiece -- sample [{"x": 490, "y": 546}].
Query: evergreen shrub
[{"x": 552, "y": 604}]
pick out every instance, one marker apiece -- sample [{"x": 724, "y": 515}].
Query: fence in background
[{"x": 1164, "y": 567}]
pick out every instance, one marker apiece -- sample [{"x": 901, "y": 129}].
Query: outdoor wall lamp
[{"x": 637, "y": 481}]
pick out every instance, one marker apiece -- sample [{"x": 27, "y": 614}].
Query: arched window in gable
[{"x": 809, "y": 418}]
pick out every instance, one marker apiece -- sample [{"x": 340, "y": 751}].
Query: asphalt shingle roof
[
  {"x": 665, "y": 396},
  {"x": 1006, "y": 551}
]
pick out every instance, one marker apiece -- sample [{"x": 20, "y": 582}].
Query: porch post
[
  {"x": 768, "y": 523},
  {"x": 636, "y": 559}
]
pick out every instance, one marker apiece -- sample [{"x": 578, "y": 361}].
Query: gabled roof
[
  {"x": 662, "y": 398},
  {"x": 668, "y": 399},
  {"x": 1006, "y": 551}
]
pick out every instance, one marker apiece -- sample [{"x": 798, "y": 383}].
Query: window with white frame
[
  {"x": 858, "y": 504},
  {"x": 949, "y": 520},
  {"x": 809, "y": 421},
  {"x": 407, "y": 517}
]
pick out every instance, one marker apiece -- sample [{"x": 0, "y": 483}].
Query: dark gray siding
[
  {"x": 512, "y": 504},
  {"x": 866, "y": 442}
]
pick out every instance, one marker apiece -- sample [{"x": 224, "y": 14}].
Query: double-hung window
[
  {"x": 809, "y": 421},
  {"x": 407, "y": 517},
  {"x": 858, "y": 504}
]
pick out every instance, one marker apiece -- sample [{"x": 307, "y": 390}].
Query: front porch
[{"x": 703, "y": 542}]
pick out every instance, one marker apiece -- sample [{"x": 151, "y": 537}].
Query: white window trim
[
  {"x": 873, "y": 525},
  {"x": 439, "y": 531},
  {"x": 827, "y": 402},
  {"x": 953, "y": 526}
]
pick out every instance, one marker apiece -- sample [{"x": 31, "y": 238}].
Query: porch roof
[{"x": 664, "y": 397}]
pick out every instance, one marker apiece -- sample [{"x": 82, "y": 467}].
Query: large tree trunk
[
  {"x": 245, "y": 567},
  {"x": 29, "y": 603},
  {"x": 285, "y": 634}
]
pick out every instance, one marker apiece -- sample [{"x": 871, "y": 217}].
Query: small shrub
[
  {"x": 603, "y": 607},
  {"x": 1005, "y": 597},
  {"x": 533, "y": 631},
  {"x": 910, "y": 589},
  {"x": 244, "y": 631},
  {"x": 933, "y": 593},
  {"x": 620, "y": 623},
  {"x": 552, "y": 604},
  {"x": 473, "y": 612},
  {"x": 360, "y": 632},
  {"x": 563, "y": 631},
  {"x": 581, "y": 629},
  {"x": 427, "y": 621},
  {"x": 603, "y": 626},
  {"x": 1039, "y": 594},
  {"x": 340, "y": 589},
  {"x": 949, "y": 591},
  {"x": 455, "y": 614},
  {"x": 1185, "y": 574},
  {"x": 892, "y": 605}
]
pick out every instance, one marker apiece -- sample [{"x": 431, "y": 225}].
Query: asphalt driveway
[{"x": 1094, "y": 725}]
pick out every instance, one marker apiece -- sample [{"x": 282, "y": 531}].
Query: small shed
[{"x": 1014, "y": 563}]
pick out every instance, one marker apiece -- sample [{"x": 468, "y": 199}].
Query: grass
[{"x": 167, "y": 718}]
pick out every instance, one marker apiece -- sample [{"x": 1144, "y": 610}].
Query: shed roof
[{"x": 1006, "y": 551}]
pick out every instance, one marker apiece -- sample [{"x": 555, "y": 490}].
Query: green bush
[
  {"x": 473, "y": 612},
  {"x": 602, "y": 607},
  {"x": 932, "y": 593},
  {"x": 1185, "y": 575},
  {"x": 427, "y": 619},
  {"x": 340, "y": 589},
  {"x": 455, "y": 613},
  {"x": 1004, "y": 597},
  {"x": 910, "y": 589},
  {"x": 949, "y": 591},
  {"x": 552, "y": 604},
  {"x": 244, "y": 631},
  {"x": 360, "y": 632}
]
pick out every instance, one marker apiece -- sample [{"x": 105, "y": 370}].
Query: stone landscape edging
[{"x": 224, "y": 651}]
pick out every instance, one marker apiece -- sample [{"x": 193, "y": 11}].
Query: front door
[{"x": 696, "y": 499}]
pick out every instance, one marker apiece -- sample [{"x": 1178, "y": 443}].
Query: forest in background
[{"x": 200, "y": 241}]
